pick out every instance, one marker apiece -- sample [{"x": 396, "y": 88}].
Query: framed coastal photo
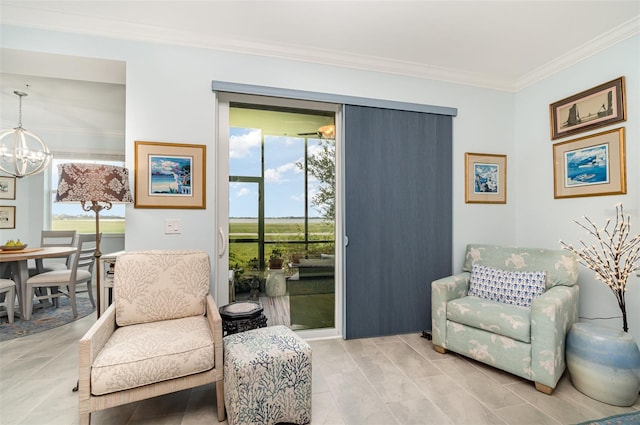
[
  {"x": 599, "y": 106},
  {"x": 169, "y": 175},
  {"x": 590, "y": 166},
  {"x": 7, "y": 217},
  {"x": 485, "y": 178},
  {"x": 7, "y": 187}
]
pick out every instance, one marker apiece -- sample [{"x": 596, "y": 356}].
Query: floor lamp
[{"x": 96, "y": 187}]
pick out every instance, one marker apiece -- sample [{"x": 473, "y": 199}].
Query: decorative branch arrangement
[{"x": 614, "y": 257}]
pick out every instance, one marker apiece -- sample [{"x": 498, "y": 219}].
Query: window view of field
[
  {"x": 285, "y": 234},
  {"x": 87, "y": 224},
  {"x": 282, "y": 213}
]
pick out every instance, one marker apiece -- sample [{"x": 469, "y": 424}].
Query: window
[{"x": 71, "y": 216}]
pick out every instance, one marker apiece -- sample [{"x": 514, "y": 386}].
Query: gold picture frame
[
  {"x": 170, "y": 175},
  {"x": 599, "y": 106},
  {"x": 485, "y": 178},
  {"x": 7, "y": 217},
  {"x": 593, "y": 165}
]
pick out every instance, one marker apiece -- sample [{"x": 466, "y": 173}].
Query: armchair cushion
[
  {"x": 509, "y": 287},
  {"x": 492, "y": 316},
  {"x": 146, "y": 353},
  {"x": 159, "y": 285}
]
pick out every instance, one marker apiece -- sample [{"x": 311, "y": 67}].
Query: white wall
[
  {"x": 169, "y": 99},
  {"x": 541, "y": 219}
]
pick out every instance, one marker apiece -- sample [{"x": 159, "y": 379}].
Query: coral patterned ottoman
[{"x": 267, "y": 377}]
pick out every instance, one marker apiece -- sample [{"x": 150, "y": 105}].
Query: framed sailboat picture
[{"x": 599, "y": 106}]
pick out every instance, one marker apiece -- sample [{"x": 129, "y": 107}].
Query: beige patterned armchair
[{"x": 162, "y": 334}]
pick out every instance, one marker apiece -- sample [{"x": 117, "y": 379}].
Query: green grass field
[
  {"x": 89, "y": 226},
  {"x": 283, "y": 233},
  {"x": 279, "y": 231}
]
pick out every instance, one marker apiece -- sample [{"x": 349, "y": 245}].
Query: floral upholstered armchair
[
  {"x": 163, "y": 333},
  {"x": 510, "y": 308}
]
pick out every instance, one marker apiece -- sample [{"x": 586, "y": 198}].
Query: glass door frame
[{"x": 223, "y": 101}]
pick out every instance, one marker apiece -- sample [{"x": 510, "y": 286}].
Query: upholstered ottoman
[{"x": 267, "y": 377}]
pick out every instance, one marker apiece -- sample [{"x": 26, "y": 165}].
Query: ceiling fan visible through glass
[{"x": 324, "y": 132}]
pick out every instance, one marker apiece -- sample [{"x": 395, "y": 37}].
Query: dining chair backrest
[
  {"x": 57, "y": 238},
  {"x": 54, "y": 238},
  {"x": 84, "y": 257}
]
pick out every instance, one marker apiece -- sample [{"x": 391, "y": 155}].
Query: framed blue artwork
[
  {"x": 590, "y": 166},
  {"x": 485, "y": 178},
  {"x": 169, "y": 175}
]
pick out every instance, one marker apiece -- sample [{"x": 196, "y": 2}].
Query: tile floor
[{"x": 388, "y": 380}]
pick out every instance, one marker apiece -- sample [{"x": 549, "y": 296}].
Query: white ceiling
[{"x": 506, "y": 44}]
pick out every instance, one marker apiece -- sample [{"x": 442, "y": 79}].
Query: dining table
[{"x": 15, "y": 263}]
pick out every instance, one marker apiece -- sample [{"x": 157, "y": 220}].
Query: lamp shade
[{"x": 93, "y": 182}]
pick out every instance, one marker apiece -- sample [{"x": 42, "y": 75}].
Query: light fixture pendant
[{"x": 22, "y": 153}]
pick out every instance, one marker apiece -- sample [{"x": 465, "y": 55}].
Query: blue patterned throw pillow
[{"x": 509, "y": 287}]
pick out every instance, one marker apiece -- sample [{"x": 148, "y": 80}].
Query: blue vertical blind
[{"x": 398, "y": 208}]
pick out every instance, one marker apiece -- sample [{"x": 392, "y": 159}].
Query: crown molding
[
  {"x": 588, "y": 49},
  {"x": 45, "y": 19}
]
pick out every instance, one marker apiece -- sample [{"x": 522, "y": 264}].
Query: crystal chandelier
[{"x": 22, "y": 153}]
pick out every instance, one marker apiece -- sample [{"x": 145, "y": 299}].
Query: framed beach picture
[
  {"x": 7, "y": 217},
  {"x": 169, "y": 175},
  {"x": 599, "y": 106},
  {"x": 7, "y": 187},
  {"x": 485, "y": 178},
  {"x": 590, "y": 166}
]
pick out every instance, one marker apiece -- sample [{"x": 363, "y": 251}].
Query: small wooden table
[
  {"x": 16, "y": 261},
  {"x": 106, "y": 287},
  {"x": 242, "y": 316}
]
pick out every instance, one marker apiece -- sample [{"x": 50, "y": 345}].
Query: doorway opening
[{"x": 281, "y": 212}]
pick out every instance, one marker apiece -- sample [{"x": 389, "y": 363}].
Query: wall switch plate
[{"x": 172, "y": 227}]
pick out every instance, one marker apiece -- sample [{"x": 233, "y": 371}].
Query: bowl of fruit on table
[{"x": 12, "y": 245}]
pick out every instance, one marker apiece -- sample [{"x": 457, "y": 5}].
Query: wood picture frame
[
  {"x": 485, "y": 178},
  {"x": 7, "y": 187},
  {"x": 7, "y": 217},
  {"x": 602, "y": 105},
  {"x": 590, "y": 166},
  {"x": 169, "y": 175}
]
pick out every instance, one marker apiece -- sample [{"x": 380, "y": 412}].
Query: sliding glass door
[{"x": 278, "y": 160}]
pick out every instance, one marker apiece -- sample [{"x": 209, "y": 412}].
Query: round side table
[
  {"x": 242, "y": 316},
  {"x": 603, "y": 363}
]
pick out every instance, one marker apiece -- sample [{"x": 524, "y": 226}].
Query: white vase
[{"x": 276, "y": 284}]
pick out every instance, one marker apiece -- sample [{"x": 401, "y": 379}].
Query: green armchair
[{"x": 526, "y": 341}]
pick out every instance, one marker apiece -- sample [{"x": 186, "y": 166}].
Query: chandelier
[{"x": 22, "y": 153}]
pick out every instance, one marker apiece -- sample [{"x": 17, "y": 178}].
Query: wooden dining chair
[
  {"x": 54, "y": 238},
  {"x": 64, "y": 282},
  {"x": 8, "y": 288}
]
